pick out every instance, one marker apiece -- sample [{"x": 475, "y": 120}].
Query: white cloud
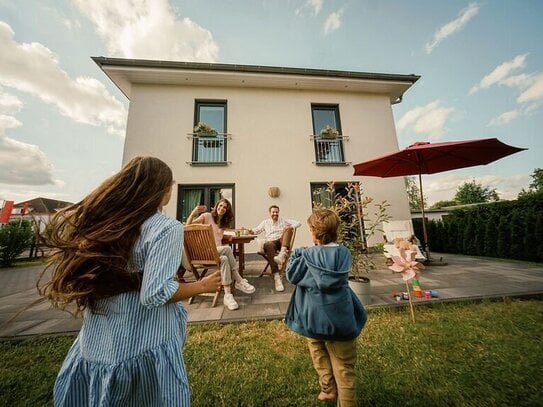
[
  {"x": 314, "y": 5},
  {"x": 529, "y": 85},
  {"x": 333, "y": 22},
  {"x": 33, "y": 68},
  {"x": 500, "y": 75},
  {"x": 20, "y": 163},
  {"x": 428, "y": 120},
  {"x": 504, "y": 118},
  {"x": 9, "y": 104},
  {"x": 453, "y": 26},
  {"x": 148, "y": 29},
  {"x": 534, "y": 91}
]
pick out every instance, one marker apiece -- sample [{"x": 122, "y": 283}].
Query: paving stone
[{"x": 463, "y": 278}]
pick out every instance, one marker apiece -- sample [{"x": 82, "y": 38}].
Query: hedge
[{"x": 507, "y": 229}]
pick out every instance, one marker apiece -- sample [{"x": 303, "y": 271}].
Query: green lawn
[{"x": 483, "y": 354}]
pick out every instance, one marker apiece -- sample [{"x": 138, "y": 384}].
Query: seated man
[{"x": 278, "y": 234}]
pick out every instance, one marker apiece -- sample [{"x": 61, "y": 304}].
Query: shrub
[
  {"x": 356, "y": 228},
  {"x": 15, "y": 237}
]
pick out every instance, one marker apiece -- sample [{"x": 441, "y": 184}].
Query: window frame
[
  {"x": 339, "y": 187},
  {"x": 207, "y": 199},
  {"x": 220, "y": 138},
  {"x": 319, "y": 144}
]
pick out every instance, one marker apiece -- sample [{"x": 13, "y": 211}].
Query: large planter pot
[{"x": 362, "y": 288}]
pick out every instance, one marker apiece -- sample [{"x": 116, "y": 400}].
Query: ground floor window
[
  {"x": 191, "y": 195},
  {"x": 324, "y": 194}
]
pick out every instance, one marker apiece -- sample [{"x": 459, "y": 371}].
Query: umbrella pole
[{"x": 426, "y": 246}]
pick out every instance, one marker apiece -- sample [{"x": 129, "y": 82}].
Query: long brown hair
[
  {"x": 227, "y": 219},
  {"x": 92, "y": 240}
]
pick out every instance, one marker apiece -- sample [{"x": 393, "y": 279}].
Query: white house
[{"x": 268, "y": 149}]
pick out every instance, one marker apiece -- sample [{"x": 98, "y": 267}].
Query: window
[
  {"x": 328, "y": 150},
  {"x": 210, "y": 149},
  {"x": 322, "y": 195},
  {"x": 191, "y": 195}
]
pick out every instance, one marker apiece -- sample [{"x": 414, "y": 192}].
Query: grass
[{"x": 483, "y": 354}]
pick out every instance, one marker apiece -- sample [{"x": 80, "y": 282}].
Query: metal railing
[
  {"x": 209, "y": 148},
  {"x": 328, "y": 150}
]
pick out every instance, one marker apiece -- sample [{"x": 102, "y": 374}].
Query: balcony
[
  {"x": 209, "y": 149},
  {"x": 329, "y": 151}
]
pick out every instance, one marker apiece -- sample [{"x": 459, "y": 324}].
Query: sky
[{"x": 62, "y": 121}]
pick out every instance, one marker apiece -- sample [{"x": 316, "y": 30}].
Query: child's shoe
[{"x": 326, "y": 396}]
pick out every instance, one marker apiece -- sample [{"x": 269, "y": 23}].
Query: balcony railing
[
  {"x": 329, "y": 151},
  {"x": 209, "y": 150}
]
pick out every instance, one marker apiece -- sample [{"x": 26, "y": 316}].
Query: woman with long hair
[
  {"x": 220, "y": 218},
  {"x": 114, "y": 261}
]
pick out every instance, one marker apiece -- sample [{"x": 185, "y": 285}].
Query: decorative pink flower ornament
[{"x": 406, "y": 264}]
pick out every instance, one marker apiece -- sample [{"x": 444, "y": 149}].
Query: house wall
[{"x": 270, "y": 146}]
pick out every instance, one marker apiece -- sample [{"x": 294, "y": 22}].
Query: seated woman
[{"x": 220, "y": 218}]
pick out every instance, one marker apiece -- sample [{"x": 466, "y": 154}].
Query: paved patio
[{"x": 464, "y": 278}]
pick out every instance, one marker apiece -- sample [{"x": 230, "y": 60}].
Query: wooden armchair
[
  {"x": 284, "y": 266},
  {"x": 201, "y": 252}
]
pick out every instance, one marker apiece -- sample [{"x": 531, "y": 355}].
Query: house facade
[{"x": 262, "y": 141}]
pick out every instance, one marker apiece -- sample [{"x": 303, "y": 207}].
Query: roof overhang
[{"x": 125, "y": 72}]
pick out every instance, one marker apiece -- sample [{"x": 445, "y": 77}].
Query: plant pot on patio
[{"x": 362, "y": 288}]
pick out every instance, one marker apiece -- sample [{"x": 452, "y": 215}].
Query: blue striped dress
[{"x": 129, "y": 350}]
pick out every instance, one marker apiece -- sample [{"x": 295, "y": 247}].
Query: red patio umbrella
[{"x": 430, "y": 158}]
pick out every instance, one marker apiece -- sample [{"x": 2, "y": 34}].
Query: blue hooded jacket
[{"x": 323, "y": 306}]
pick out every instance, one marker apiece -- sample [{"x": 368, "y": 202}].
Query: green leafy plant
[
  {"x": 204, "y": 129},
  {"x": 329, "y": 133},
  {"x": 15, "y": 237},
  {"x": 353, "y": 208}
]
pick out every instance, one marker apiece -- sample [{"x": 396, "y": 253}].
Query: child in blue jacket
[{"x": 325, "y": 310}]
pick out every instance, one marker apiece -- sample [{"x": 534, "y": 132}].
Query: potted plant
[
  {"x": 204, "y": 130},
  {"x": 329, "y": 133},
  {"x": 352, "y": 207}
]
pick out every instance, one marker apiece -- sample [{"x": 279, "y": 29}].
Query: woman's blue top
[{"x": 129, "y": 349}]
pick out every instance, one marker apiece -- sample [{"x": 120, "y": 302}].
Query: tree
[
  {"x": 536, "y": 186},
  {"x": 15, "y": 237},
  {"x": 471, "y": 192},
  {"x": 413, "y": 193}
]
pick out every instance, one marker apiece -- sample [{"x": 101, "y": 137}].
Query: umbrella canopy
[{"x": 430, "y": 158}]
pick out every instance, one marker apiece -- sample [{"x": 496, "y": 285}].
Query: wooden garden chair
[{"x": 202, "y": 254}]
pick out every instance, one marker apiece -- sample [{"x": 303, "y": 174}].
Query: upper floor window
[
  {"x": 209, "y": 145},
  {"x": 328, "y": 138}
]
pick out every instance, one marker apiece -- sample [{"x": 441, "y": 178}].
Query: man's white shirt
[{"x": 273, "y": 231}]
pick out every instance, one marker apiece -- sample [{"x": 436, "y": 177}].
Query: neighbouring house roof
[
  {"x": 43, "y": 206},
  {"x": 125, "y": 72}
]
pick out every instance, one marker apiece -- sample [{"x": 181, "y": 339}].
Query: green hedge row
[{"x": 509, "y": 230}]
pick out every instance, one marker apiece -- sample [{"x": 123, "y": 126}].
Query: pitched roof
[{"x": 44, "y": 206}]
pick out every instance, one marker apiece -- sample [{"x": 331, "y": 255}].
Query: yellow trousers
[{"x": 334, "y": 362}]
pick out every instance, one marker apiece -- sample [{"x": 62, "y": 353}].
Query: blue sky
[{"x": 62, "y": 122}]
